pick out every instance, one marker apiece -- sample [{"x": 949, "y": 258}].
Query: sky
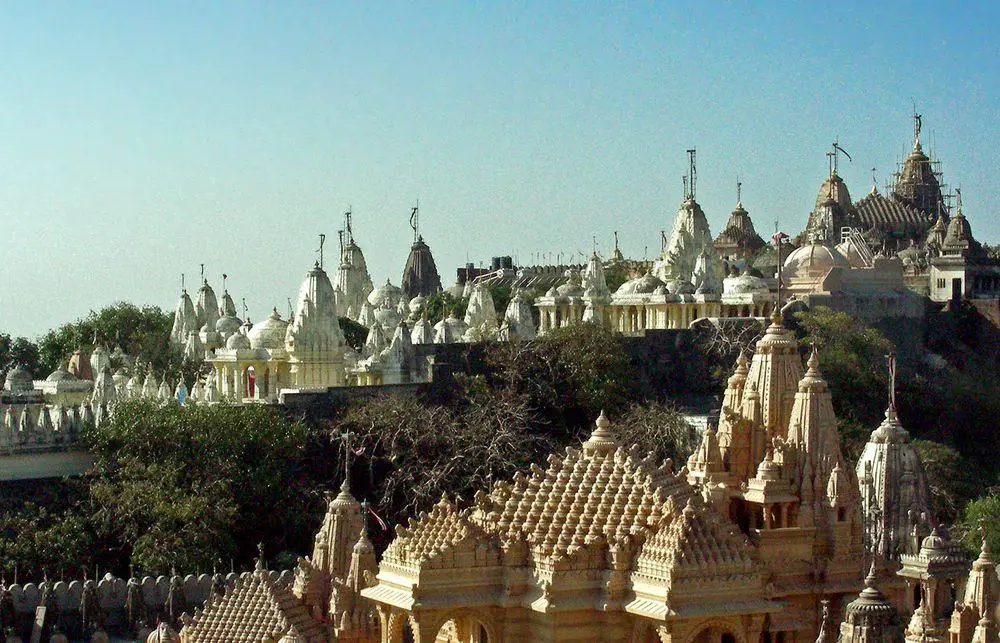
[{"x": 139, "y": 140}]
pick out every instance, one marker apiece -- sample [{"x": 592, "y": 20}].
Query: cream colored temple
[{"x": 764, "y": 535}]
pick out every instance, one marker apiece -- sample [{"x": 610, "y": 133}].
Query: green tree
[
  {"x": 501, "y": 298},
  {"x": 20, "y": 351},
  {"x": 192, "y": 486},
  {"x": 982, "y": 513},
  {"x": 143, "y": 332},
  {"x": 852, "y": 359},
  {"x": 952, "y": 479},
  {"x": 354, "y": 333},
  {"x": 442, "y": 303}
]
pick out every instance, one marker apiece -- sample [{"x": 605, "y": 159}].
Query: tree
[
  {"x": 982, "y": 513},
  {"x": 440, "y": 304},
  {"x": 415, "y": 451},
  {"x": 952, "y": 479},
  {"x": 852, "y": 360},
  {"x": 568, "y": 375},
  {"x": 657, "y": 428},
  {"x": 143, "y": 333},
  {"x": 354, "y": 333},
  {"x": 20, "y": 351},
  {"x": 193, "y": 486}
]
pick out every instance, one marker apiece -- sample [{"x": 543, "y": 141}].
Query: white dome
[
  {"x": 644, "y": 285},
  {"x": 270, "y": 333},
  {"x": 385, "y": 295},
  {"x": 238, "y": 341},
  {"x": 744, "y": 284},
  {"x": 813, "y": 261},
  {"x": 228, "y": 325},
  {"x": 850, "y": 252}
]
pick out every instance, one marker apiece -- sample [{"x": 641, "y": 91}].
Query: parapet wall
[{"x": 66, "y": 599}]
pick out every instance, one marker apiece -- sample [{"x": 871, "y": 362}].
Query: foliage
[
  {"x": 501, "y": 298},
  {"x": 354, "y": 333},
  {"x": 48, "y": 533},
  {"x": 852, "y": 360},
  {"x": 658, "y": 428},
  {"x": 615, "y": 275},
  {"x": 984, "y": 511},
  {"x": 415, "y": 452},
  {"x": 47, "y": 541},
  {"x": 193, "y": 486},
  {"x": 951, "y": 478},
  {"x": 568, "y": 376},
  {"x": 20, "y": 351},
  {"x": 441, "y": 303},
  {"x": 143, "y": 333}
]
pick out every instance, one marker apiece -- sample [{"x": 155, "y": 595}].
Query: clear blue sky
[{"x": 139, "y": 139}]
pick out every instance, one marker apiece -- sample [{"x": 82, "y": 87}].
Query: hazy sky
[{"x": 139, "y": 139}]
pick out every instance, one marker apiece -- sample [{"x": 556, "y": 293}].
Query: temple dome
[
  {"x": 316, "y": 326},
  {"x": 238, "y": 341},
  {"x": 228, "y": 325},
  {"x": 61, "y": 375},
  {"x": 19, "y": 380},
  {"x": 813, "y": 260},
  {"x": 385, "y": 296},
  {"x": 645, "y": 284},
  {"x": 745, "y": 284},
  {"x": 849, "y": 249},
  {"x": 833, "y": 187},
  {"x": 917, "y": 184},
  {"x": 270, "y": 333}
]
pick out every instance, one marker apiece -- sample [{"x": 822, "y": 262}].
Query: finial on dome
[
  {"x": 602, "y": 440},
  {"x": 872, "y": 575},
  {"x": 739, "y": 192},
  {"x": 259, "y": 565},
  {"x": 984, "y": 548},
  {"x": 813, "y": 362}
]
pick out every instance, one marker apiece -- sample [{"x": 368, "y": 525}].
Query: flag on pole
[{"x": 778, "y": 237}]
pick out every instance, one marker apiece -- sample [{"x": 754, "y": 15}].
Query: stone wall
[{"x": 112, "y": 592}]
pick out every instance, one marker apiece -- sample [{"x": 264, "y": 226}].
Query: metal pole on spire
[
  {"x": 891, "y": 364},
  {"x": 203, "y": 272},
  {"x": 322, "y": 240},
  {"x": 340, "y": 236},
  {"x": 739, "y": 190},
  {"x": 183, "y": 287},
  {"x": 224, "y": 277},
  {"x": 415, "y": 220},
  {"x": 348, "y": 224},
  {"x": 692, "y": 171}
]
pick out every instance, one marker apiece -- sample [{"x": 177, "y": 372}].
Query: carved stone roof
[
  {"x": 601, "y": 493},
  {"x": 258, "y": 607},
  {"x": 694, "y": 540},
  {"x": 892, "y": 215},
  {"x": 738, "y": 233}
]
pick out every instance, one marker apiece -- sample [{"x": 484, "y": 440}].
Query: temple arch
[
  {"x": 715, "y": 631},
  {"x": 465, "y": 626}
]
